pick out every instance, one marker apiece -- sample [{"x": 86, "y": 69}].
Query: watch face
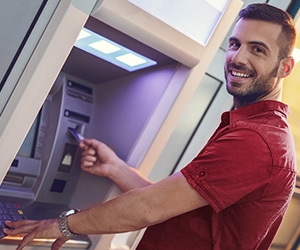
[{"x": 71, "y": 211}]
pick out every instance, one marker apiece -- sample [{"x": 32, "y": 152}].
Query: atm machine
[{"x": 55, "y": 76}]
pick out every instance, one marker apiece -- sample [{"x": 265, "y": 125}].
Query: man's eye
[
  {"x": 258, "y": 50},
  {"x": 234, "y": 45}
]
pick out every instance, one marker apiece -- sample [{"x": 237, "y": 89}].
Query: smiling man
[
  {"x": 258, "y": 58},
  {"x": 235, "y": 193}
]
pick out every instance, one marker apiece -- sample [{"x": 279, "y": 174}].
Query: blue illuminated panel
[{"x": 112, "y": 52}]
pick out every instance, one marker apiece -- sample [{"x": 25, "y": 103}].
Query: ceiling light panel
[{"x": 112, "y": 52}]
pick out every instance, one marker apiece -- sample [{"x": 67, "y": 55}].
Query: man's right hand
[{"x": 97, "y": 158}]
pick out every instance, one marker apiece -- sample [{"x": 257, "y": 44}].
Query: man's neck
[
  {"x": 240, "y": 103},
  {"x": 275, "y": 95}
]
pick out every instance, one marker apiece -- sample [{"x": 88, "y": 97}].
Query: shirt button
[{"x": 202, "y": 173}]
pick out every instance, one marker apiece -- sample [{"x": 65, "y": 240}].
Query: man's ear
[{"x": 286, "y": 66}]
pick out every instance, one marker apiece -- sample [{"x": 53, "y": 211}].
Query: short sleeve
[{"x": 231, "y": 168}]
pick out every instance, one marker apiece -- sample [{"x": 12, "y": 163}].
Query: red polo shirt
[{"x": 246, "y": 173}]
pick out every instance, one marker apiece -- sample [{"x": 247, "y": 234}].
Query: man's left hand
[{"x": 34, "y": 229}]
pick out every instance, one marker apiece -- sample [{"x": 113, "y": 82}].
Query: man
[{"x": 234, "y": 194}]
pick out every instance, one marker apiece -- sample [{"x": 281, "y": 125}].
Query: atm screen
[{"x": 28, "y": 146}]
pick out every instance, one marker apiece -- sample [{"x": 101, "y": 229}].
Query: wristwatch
[{"x": 63, "y": 223}]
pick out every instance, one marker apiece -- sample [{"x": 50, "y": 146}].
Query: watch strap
[{"x": 63, "y": 223}]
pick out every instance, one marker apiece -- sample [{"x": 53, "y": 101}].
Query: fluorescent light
[
  {"x": 104, "y": 47},
  {"x": 83, "y": 34},
  {"x": 131, "y": 60},
  {"x": 112, "y": 52}
]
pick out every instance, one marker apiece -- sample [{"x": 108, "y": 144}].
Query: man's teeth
[{"x": 240, "y": 74}]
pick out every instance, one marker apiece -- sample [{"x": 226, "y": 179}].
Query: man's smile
[
  {"x": 239, "y": 74},
  {"x": 240, "y": 71}
]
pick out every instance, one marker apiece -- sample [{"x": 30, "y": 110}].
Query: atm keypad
[{"x": 11, "y": 212}]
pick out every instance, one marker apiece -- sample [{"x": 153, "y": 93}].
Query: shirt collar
[{"x": 253, "y": 109}]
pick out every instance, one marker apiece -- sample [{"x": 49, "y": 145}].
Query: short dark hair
[{"x": 269, "y": 13}]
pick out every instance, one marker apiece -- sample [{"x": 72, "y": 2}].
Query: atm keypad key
[
  {"x": 3, "y": 211},
  {"x": 5, "y": 217}
]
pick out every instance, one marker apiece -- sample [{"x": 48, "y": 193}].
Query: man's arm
[
  {"x": 130, "y": 211},
  {"x": 139, "y": 208},
  {"x": 99, "y": 159}
]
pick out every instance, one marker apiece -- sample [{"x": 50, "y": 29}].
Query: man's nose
[{"x": 240, "y": 56}]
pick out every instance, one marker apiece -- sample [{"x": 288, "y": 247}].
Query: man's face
[{"x": 252, "y": 63}]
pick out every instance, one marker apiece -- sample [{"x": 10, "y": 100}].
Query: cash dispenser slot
[
  {"x": 21, "y": 177},
  {"x": 14, "y": 179},
  {"x": 81, "y": 96}
]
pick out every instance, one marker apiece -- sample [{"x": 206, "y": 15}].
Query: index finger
[
  {"x": 85, "y": 143},
  {"x": 82, "y": 145}
]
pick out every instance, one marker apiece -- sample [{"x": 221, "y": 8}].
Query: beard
[{"x": 258, "y": 88}]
